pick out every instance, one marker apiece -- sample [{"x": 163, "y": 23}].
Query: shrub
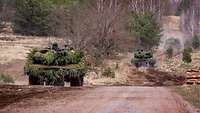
[
  {"x": 188, "y": 49},
  {"x": 196, "y": 42},
  {"x": 6, "y": 78},
  {"x": 187, "y": 57},
  {"x": 186, "y": 66},
  {"x": 49, "y": 58},
  {"x": 169, "y": 52},
  {"x": 108, "y": 72}
]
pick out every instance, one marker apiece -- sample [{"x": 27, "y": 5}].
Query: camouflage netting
[{"x": 53, "y": 66}]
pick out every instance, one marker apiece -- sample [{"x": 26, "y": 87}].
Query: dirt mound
[
  {"x": 152, "y": 77},
  {"x": 160, "y": 78},
  {"x": 136, "y": 78}
]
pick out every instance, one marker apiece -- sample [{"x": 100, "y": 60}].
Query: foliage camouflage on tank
[
  {"x": 54, "y": 66},
  {"x": 143, "y": 58}
]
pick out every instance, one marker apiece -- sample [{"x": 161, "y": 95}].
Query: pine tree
[
  {"x": 146, "y": 29},
  {"x": 32, "y": 17}
]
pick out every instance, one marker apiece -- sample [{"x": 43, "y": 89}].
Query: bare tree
[
  {"x": 7, "y": 10},
  {"x": 190, "y": 16},
  {"x": 102, "y": 28},
  {"x": 59, "y": 22},
  {"x": 158, "y": 7},
  {"x": 99, "y": 27}
]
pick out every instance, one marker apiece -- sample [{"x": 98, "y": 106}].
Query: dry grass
[
  {"x": 191, "y": 94},
  {"x": 6, "y": 79},
  {"x": 14, "y": 47}
]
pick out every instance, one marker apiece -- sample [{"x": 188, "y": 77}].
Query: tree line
[{"x": 100, "y": 27}]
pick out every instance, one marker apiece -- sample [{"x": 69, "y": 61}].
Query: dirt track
[{"x": 100, "y": 100}]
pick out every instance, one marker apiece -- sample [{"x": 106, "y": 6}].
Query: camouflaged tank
[
  {"x": 143, "y": 59},
  {"x": 55, "y": 66}
]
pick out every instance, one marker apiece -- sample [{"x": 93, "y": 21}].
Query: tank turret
[{"x": 143, "y": 59}]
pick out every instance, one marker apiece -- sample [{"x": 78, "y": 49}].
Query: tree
[
  {"x": 32, "y": 17},
  {"x": 196, "y": 42},
  {"x": 97, "y": 26},
  {"x": 7, "y": 11},
  {"x": 61, "y": 17},
  {"x": 147, "y": 30},
  {"x": 187, "y": 57},
  {"x": 157, "y": 7},
  {"x": 190, "y": 16}
]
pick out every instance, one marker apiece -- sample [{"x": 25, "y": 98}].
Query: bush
[
  {"x": 186, "y": 66},
  {"x": 196, "y": 42},
  {"x": 6, "y": 78},
  {"x": 187, "y": 57},
  {"x": 169, "y": 52},
  {"x": 108, "y": 72},
  {"x": 188, "y": 49}
]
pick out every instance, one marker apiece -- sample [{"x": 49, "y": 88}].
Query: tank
[
  {"x": 143, "y": 59},
  {"x": 55, "y": 66}
]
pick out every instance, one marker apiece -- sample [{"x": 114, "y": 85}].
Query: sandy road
[{"x": 108, "y": 100}]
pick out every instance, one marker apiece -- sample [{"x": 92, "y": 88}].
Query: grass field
[{"x": 191, "y": 94}]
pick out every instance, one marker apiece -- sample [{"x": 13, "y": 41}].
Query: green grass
[
  {"x": 6, "y": 79},
  {"x": 191, "y": 94}
]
